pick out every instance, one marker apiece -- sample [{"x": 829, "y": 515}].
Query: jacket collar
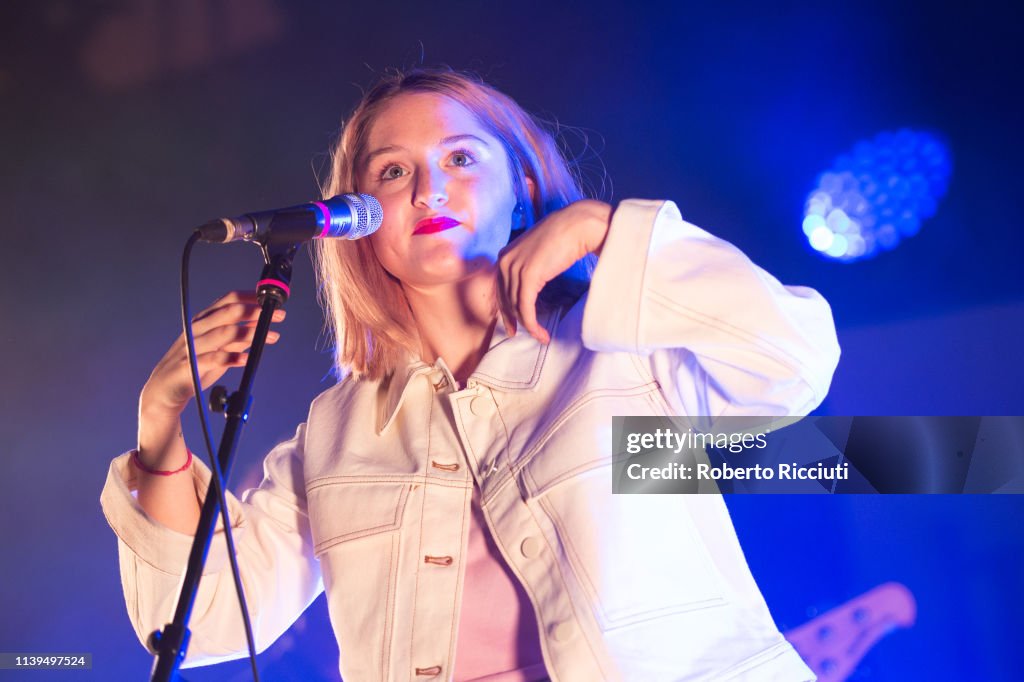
[{"x": 511, "y": 363}]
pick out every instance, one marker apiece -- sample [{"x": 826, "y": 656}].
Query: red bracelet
[{"x": 138, "y": 463}]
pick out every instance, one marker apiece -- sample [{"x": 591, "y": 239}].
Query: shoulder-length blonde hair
[{"x": 368, "y": 316}]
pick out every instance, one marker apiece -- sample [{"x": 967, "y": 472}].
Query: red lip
[{"x": 435, "y": 224}]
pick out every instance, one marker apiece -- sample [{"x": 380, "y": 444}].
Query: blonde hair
[{"x": 368, "y": 317}]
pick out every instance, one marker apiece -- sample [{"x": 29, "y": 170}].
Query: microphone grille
[{"x": 367, "y": 215}]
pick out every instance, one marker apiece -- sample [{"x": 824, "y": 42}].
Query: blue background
[{"x": 124, "y": 124}]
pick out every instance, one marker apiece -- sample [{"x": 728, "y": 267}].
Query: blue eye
[
  {"x": 462, "y": 158},
  {"x": 391, "y": 172}
]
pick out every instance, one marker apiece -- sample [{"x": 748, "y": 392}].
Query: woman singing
[{"x": 452, "y": 494}]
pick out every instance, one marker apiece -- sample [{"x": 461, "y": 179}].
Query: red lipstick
[{"x": 435, "y": 224}]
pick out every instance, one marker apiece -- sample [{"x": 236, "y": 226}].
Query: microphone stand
[{"x": 170, "y": 644}]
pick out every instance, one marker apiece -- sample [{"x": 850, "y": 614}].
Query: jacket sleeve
[
  {"x": 279, "y": 572},
  {"x": 721, "y": 336}
]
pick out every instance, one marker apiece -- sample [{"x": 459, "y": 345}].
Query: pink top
[{"x": 498, "y": 639}]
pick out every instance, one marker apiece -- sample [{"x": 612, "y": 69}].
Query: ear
[{"x": 531, "y": 187}]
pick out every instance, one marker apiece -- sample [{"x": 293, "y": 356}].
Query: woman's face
[{"x": 445, "y": 187}]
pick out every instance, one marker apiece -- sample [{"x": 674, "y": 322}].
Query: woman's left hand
[{"x": 544, "y": 252}]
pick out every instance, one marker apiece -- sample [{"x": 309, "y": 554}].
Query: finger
[
  {"x": 221, "y": 314},
  {"x": 246, "y": 343},
  {"x": 247, "y": 297},
  {"x": 510, "y": 323},
  {"x": 511, "y": 290},
  {"x": 232, "y": 313},
  {"x": 219, "y": 359},
  {"x": 209, "y": 339},
  {"x": 254, "y": 321},
  {"x": 230, "y": 337},
  {"x": 239, "y": 296},
  {"x": 504, "y": 303},
  {"x": 529, "y": 290},
  {"x": 508, "y": 317},
  {"x": 212, "y": 366}
]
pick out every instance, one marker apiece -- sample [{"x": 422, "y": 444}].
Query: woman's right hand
[{"x": 223, "y": 333}]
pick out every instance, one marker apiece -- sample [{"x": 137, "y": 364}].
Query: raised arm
[
  {"x": 722, "y": 335},
  {"x": 155, "y": 514}
]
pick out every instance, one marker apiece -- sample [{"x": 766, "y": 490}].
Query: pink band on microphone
[
  {"x": 275, "y": 283},
  {"x": 327, "y": 218}
]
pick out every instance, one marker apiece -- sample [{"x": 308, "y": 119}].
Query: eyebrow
[{"x": 451, "y": 139}]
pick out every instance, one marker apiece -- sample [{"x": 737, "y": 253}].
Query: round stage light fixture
[{"x": 877, "y": 195}]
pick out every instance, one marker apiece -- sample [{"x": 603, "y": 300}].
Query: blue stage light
[{"x": 877, "y": 194}]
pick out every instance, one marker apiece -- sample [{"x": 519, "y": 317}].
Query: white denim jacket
[{"x": 371, "y": 498}]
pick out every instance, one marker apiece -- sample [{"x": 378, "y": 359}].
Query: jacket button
[
  {"x": 453, "y": 466},
  {"x": 531, "y": 547},
  {"x": 481, "y": 406},
  {"x": 563, "y": 631},
  {"x": 429, "y": 672}
]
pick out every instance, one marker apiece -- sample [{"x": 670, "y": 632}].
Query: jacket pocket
[
  {"x": 636, "y": 557},
  {"x": 579, "y": 438},
  {"x": 341, "y": 512},
  {"x": 357, "y": 534}
]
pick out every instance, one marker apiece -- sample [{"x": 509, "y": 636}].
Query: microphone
[{"x": 346, "y": 216}]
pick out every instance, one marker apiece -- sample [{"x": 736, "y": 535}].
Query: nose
[{"x": 431, "y": 189}]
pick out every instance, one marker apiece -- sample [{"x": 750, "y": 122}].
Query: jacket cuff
[
  {"x": 154, "y": 543},
  {"x": 611, "y": 318}
]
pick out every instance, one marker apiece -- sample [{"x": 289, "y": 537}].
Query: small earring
[{"x": 519, "y": 217}]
